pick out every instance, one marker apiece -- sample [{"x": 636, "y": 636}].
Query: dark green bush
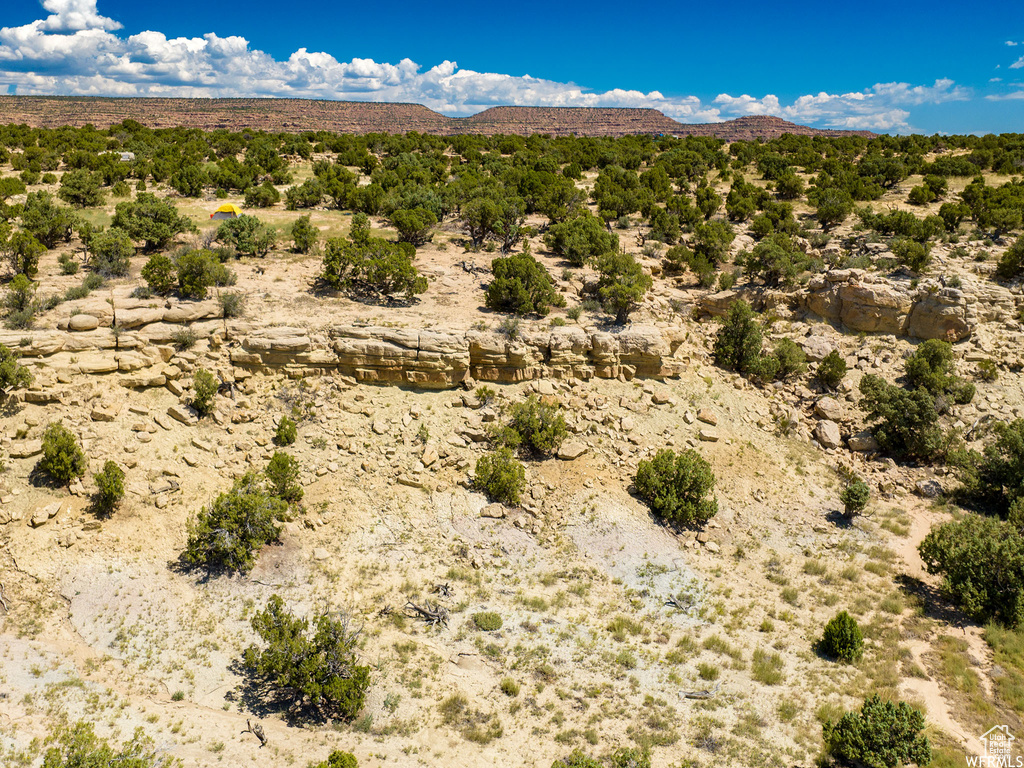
[
  {"x": 197, "y": 271},
  {"x": 580, "y": 239},
  {"x": 521, "y": 285},
  {"x": 884, "y": 734},
  {"x": 414, "y": 225},
  {"x": 677, "y": 487},
  {"x": 160, "y": 274},
  {"x": 232, "y": 304},
  {"x": 500, "y": 476},
  {"x": 912, "y": 254},
  {"x": 77, "y": 746},
  {"x": 1011, "y": 263},
  {"x": 981, "y": 561},
  {"x": 776, "y": 260},
  {"x": 109, "y": 488},
  {"x": 263, "y": 196},
  {"x": 286, "y": 432},
  {"x": 738, "y": 345},
  {"x": 229, "y": 534},
  {"x": 790, "y": 359},
  {"x": 111, "y": 253},
  {"x": 622, "y": 284},
  {"x": 855, "y": 496},
  {"x": 62, "y": 455},
  {"x": 151, "y": 220},
  {"x": 313, "y": 664},
  {"x": 371, "y": 267},
  {"x": 204, "y": 389},
  {"x": 81, "y": 188},
  {"x": 534, "y": 426},
  {"x": 842, "y": 638},
  {"x": 23, "y": 251},
  {"x": 283, "y": 473},
  {"x": 904, "y": 423},
  {"x": 831, "y": 370},
  {"x": 247, "y": 234},
  {"x": 48, "y": 222},
  {"x": 930, "y": 367},
  {"x": 304, "y": 234}
]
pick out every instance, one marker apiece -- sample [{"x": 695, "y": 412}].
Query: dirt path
[{"x": 929, "y": 691}]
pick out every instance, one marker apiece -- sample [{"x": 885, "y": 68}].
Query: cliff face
[{"x": 298, "y": 115}]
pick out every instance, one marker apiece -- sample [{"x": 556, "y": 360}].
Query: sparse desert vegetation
[{"x": 524, "y": 450}]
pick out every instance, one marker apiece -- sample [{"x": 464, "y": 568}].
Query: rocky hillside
[{"x": 298, "y": 115}]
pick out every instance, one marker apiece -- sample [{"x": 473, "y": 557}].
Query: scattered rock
[
  {"x": 829, "y": 408},
  {"x": 380, "y": 427},
  {"x": 827, "y": 433},
  {"x": 23, "y": 449},
  {"x": 572, "y": 449},
  {"x": 321, "y": 554},
  {"x": 83, "y": 323},
  {"x": 929, "y": 489},
  {"x": 182, "y": 413},
  {"x": 104, "y": 412},
  {"x": 708, "y": 435},
  {"x": 708, "y": 417},
  {"x": 863, "y": 441},
  {"x": 493, "y": 511}
]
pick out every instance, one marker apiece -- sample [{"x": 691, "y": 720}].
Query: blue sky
[{"x": 893, "y": 67}]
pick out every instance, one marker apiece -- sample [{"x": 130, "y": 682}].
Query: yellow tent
[{"x": 227, "y": 211}]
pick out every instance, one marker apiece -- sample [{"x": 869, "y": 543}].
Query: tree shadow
[
  {"x": 933, "y": 603},
  {"x": 39, "y": 478},
  {"x": 839, "y": 519},
  {"x": 259, "y": 696}
]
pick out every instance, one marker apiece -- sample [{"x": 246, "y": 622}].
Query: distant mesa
[{"x": 298, "y": 115}]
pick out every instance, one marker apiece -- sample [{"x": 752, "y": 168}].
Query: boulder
[
  {"x": 83, "y": 323},
  {"x": 863, "y": 441},
  {"x": 24, "y": 449},
  {"x": 572, "y": 449},
  {"x": 829, "y": 408},
  {"x": 827, "y": 433},
  {"x": 183, "y": 413},
  {"x": 816, "y": 348},
  {"x": 493, "y": 511},
  {"x": 708, "y": 435},
  {"x": 929, "y": 489}
]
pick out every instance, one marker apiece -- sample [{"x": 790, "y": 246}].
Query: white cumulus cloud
[{"x": 75, "y": 50}]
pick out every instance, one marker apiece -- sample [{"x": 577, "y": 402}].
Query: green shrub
[
  {"x": 1011, "y": 263},
  {"x": 13, "y": 375},
  {"x": 521, "y": 285},
  {"x": 109, "y": 487},
  {"x": 766, "y": 667},
  {"x": 160, "y": 274},
  {"x": 315, "y": 664},
  {"x": 855, "y": 496},
  {"x": 905, "y": 424},
  {"x": 204, "y": 389},
  {"x": 62, "y": 455},
  {"x": 534, "y": 426},
  {"x": 247, "y": 234},
  {"x": 414, "y": 225},
  {"x": 580, "y": 239},
  {"x": 622, "y": 284},
  {"x": 981, "y": 561},
  {"x": 739, "y": 341},
  {"x": 68, "y": 264},
  {"x": 111, "y": 253},
  {"x": 304, "y": 234},
  {"x": 930, "y": 367},
  {"x": 151, "y": 220},
  {"x": 912, "y": 254},
  {"x": 677, "y": 487},
  {"x": 884, "y": 734},
  {"x": 92, "y": 281},
  {"x": 790, "y": 359},
  {"x": 23, "y": 251},
  {"x": 338, "y": 759},
  {"x": 197, "y": 271},
  {"x": 987, "y": 370},
  {"x": 78, "y": 745},
  {"x": 842, "y": 639},
  {"x": 286, "y": 432},
  {"x": 229, "y": 534},
  {"x": 577, "y": 759},
  {"x": 263, "y": 196},
  {"x": 831, "y": 370},
  {"x": 48, "y": 222},
  {"x": 283, "y": 473},
  {"x": 776, "y": 260},
  {"x": 371, "y": 267},
  {"x": 487, "y": 621},
  {"x": 500, "y": 476},
  {"x": 509, "y": 687}
]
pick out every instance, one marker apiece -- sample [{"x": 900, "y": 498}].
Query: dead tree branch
[
  {"x": 257, "y": 731},
  {"x": 700, "y": 694},
  {"x": 430, "y": 613}
]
